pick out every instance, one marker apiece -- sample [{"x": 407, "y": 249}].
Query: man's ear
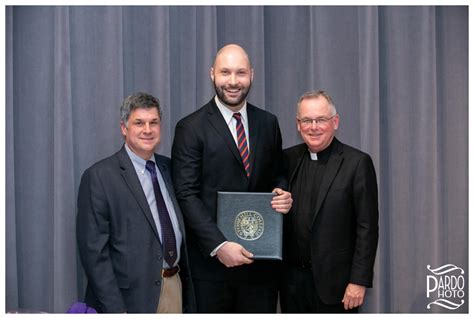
[
  {"x": 336, "y": 122},
  {"x": 211, "y": 73},
  {"x": 123, "y": 129}
]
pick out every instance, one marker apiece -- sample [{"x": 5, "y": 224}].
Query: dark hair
[{"x": 138, "y": 100}]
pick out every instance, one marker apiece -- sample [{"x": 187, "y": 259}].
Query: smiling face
[
  {"x": 142, "y": 131},
  {"x": 232, "y": 76},
  {"x": 317, "y": 136}
]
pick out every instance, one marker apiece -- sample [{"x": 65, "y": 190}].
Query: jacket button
[
  {"x": 157, "y": 282},
  {"x": 158, "y": 257}
]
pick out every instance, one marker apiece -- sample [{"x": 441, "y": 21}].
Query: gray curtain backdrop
[{"x": 398, "y": 76}]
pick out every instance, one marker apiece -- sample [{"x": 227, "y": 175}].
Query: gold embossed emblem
[{"x": 249, "y": 225}]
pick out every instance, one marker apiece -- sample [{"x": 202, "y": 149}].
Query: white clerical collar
[{"x": 314, "y": 156}]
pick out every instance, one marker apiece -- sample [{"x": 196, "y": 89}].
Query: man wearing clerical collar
[{"x": 331, "y": 231}]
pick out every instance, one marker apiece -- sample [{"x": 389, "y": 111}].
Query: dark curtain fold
[{"x": 398, "y": 76}]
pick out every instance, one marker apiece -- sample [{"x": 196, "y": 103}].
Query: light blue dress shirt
[{"x": 145, "y": 180}]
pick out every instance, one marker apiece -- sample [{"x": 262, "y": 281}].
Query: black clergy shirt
[{"x": 305, "y": 189}]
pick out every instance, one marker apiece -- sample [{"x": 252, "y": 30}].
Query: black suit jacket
[
  {"x": 206, "y": 160},
  {"x": 345, "y": 227},
  {"x": 118, "y": 241}
]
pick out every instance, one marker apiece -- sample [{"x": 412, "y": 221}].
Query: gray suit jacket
[{"x": 118, "y": 241}]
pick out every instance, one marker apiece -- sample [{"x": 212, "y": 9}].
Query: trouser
[
  {"x": 171, "y": 296},
  {"x": 299, "y": 295},
  {"x": 235, "y": 296}
]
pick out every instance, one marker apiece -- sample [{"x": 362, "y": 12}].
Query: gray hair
[
  {"x": 135, "y": 101},
  {"x": 313, "y": 94}
]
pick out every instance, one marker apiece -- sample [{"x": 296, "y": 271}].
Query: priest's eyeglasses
[{"x": 320, "y": 121}]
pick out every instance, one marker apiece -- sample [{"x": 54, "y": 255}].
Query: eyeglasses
[{"x": 320, "y": 121}]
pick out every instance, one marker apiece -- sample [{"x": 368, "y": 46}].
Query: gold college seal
[{"x": 249, "y": 225}]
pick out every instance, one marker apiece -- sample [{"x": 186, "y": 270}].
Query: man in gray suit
[{"x": 130, "y": 230}]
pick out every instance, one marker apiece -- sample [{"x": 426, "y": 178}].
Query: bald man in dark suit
[{"x": 228, "y": 145}]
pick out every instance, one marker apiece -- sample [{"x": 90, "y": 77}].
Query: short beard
[{"x": 221, "y": 95}]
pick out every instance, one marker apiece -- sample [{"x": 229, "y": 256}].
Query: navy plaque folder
[{"x": 250, "y": 220}]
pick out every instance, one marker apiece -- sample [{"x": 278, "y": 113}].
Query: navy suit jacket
[
  {"x": 118, "y": 241},
  {"x": 345, "y": 225},
  {"x": 206, "y": 160}
]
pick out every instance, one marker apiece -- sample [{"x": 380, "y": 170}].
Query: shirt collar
[
  {"x": 320, "y": 155},
  {"x": 314, "y": 156},
  {"x": 228, "y": 113},
  {"x": 137, "y": 161}
]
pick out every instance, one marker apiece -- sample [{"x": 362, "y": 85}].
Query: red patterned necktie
[
  {"x": 242, "y": 143},
  {"x": 167, "y": 231}
]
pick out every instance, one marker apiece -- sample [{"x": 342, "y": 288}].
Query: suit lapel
[
  {"x": 217, "y": 121},
  {"x": 301, "y": 153},
  {"x": 253, "y": 135},
  {"x": 335, "y": 160},
  {"x": 131, "y": 179}
]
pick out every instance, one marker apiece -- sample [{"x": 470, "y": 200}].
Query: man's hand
[
  {"x": 354, "y": 296},
  {"x": 232, "y": 254},
  {"x": 282, "y": 201}
]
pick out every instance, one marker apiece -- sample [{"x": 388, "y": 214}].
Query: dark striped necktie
[
  {"x": 242, "y": 143},
  {"x": 167, "y": 231}
]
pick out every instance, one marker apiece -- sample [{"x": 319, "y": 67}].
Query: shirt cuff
[{"x": 214, "y": 252}]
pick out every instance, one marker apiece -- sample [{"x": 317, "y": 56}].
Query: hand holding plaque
[
  {"x": 249, "y": 220},
  {"x": 233, "y": 254}
]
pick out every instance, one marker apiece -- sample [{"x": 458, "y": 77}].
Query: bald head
[
  {"x": 232, "y": 51},
  {"x": 232, "y": 76}
]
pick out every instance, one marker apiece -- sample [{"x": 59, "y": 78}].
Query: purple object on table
[{"x": 79, "y": 307}]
